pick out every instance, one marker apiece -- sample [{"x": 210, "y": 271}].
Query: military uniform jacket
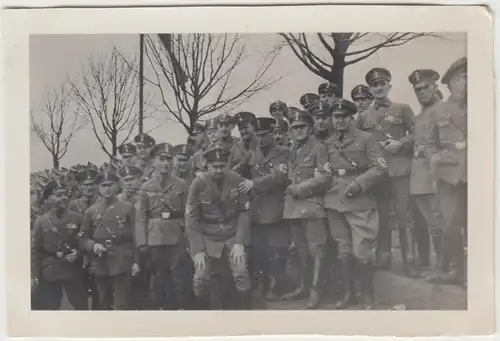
[
  {"x": 148, "y": 171},
  {"x": 451, "y": 138},
  {"x": 113, "y": 227},
  {"x": 199, "y": 163},
  {"x": 238, "y": 155},
  {"x": 363, "y": 122},
  {"x": 129, "y": 197},
  {"x": 53, "y": 238},
  {"x": 395, "y": 121},
  {"x": 424, "y": 145},
  {"x": 303, "y": 161},
  {"x": 160, "y": 212},
  {"x": 355, "y": 157},
  {"x": 268, "y": 196},
  {"x": 80, "y": 205},
  {"x": 217, "y": 217}
]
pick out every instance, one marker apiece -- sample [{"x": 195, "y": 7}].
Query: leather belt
[
  {"x": 166, "y": 215},
  {"x": 114, "y": 241},
  {"x": 349, "y": 171}
]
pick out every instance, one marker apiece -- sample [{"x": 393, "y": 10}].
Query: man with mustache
[
  {"x": 280, "y": 132},
  {"x": 56, "y": 263}
]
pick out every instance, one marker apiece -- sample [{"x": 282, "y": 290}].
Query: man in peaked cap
[
  {"x": 128, "y": 154},
  {"x": 183, "y": 165},
  {"x": 329, "y": 92},
  {"x": 218, "y": 218},
  {"x": 323, "y": 127},
  {"x": 350, "y": 205},
  {"x": 281, "y": 132},
  {"x": 212, "y": 131},
  {"x": 144, "y": 143},
  {"x": 226, "y": 124},
  {"x": 278, "y": 110},
  {"x": 269, "y": 233},
  {"x": 199, "y": 135},
  {"x": 449, "y": 166},
  {"x": 363, "y": 98},
  {"x": 107, "y": 234},
  {"x": 56, "y": 264},
  {"x": 160, "y": 230},
  {"x": 243, "y": 151},
  {"x": 393, "y": 124},
  {"x": 421, "y": 180},
  {"x": 306, "y": 100},
  {"x": 304, "y": 204}
]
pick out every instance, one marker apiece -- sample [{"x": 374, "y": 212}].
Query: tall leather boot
[
  {"x": 407, "y": 242},
  {"x": 347, "y": 272},
  {"x": 454, "y": 248},
  {"x": 367, "y": 272},
  {"x": 301, "y": 289},
  {"x": 315, "y": 290},
  {"x": 244, "y": 300},
  {"x": 437, "y": 243},
  {"x": 278, "y": 264}
]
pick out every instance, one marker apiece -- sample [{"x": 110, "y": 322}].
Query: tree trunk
[
  {"x": 55, "y": 161},
  {"x": 114, "y": 147},
  {"x": 337, "y": 74}
]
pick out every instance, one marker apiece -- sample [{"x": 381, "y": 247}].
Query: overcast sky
[{"x": 54, "y": 58}]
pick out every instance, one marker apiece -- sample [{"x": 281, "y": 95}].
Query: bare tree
[
  {"x": 56, "y": 123},
  {"x": 328, "y": 54},
  {"x": 108, "y": 95},
  {"x": 195, "y": 74}
]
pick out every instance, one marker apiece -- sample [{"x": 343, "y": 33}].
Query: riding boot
[
  {"x": 367, "y": 272},
  {"x": 437, "y": 242},
  {"x": 315, "y": 291},
  {"x": 245, "y": 300},
  {"x": 301, "y": 289},
  {"x": 407, "y": 242},
  {"x": 347, "y": 271},
  {"x": 456, "y": 265}
]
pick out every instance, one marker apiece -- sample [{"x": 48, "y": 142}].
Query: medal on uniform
[
  {"x": 341, "y": 172},
  {"x": 71, "y": 226},
  {"x": 460, "y": 145},
  {"x": 54, "y": 229},
  {"x": 165, "y": 215}
]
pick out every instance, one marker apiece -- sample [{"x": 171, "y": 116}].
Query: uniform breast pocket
[
  {"x": 444, "y": 127},
  {"x": 356, "y": 153}
]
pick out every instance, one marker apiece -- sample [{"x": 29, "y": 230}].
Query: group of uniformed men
[{"x": 208, "y": 224}]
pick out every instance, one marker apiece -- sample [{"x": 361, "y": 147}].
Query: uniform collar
[{"x": 385, "y": 103}]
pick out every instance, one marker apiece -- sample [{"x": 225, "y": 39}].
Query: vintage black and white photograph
[
  {"x": 212, "y": 171},
  {"x": 239, "y": 171}
]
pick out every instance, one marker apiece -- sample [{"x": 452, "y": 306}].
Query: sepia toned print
[{"x": 266, "y": 172}]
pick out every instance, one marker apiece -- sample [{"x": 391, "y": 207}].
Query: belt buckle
[
  {"x": 59, "y": 255},
  {"x": 165, "y": 215},
  {"x": 341, "y": 172},
  {"x": 460, "y": 145},
  {"x": 108, "y": 243},
  {"x": 416, "y": 153}
]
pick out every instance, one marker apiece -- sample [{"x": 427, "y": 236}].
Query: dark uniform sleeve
[
  {"x": 317, "y": 185},
  {"x": 85, "y": 242},
  {"x": 193, "y": 218},
  {"x": 275, "y": 177},
  {"x": 141, "y": 216},
  {"x": 36, "y": 247},
  {"x": 409, "y": 120},
  {"x": 244, "y": 220},
  {"x": 377, "y": 168}
]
